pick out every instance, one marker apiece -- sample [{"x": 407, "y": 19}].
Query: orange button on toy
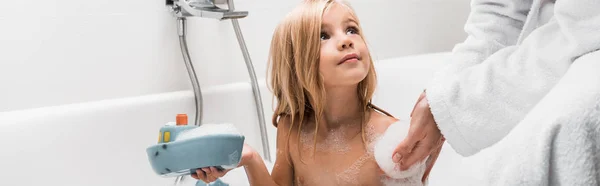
[{"x": 182, "y": 119}]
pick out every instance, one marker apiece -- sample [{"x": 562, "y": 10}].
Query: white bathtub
[{"x": 103, "y": 143}]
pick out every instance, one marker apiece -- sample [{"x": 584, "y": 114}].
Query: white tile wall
[{"x": 56, "y": 52}]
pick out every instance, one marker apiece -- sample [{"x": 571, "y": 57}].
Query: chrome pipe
[
  {"x": 255, "y": 88},
  {"x": 181, "y": 31}
]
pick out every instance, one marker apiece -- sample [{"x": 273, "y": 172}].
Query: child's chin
[
  {"x": 348, "y": 78},
  {"x": 356, "y": 77},
  {"x": 355, "y": 72}
]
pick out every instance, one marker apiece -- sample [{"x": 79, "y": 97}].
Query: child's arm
[{"x": 283, "y": 172}]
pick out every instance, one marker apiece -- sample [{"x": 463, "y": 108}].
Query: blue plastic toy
[{"x": 172, "y": 157}]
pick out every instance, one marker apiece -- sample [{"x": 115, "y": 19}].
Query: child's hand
[{"x": 211, "y": 174}]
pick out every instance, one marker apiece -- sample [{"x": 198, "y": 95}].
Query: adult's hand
[
  {"x": 423, "y": 139},
  {"x": 431, "y": 161}
]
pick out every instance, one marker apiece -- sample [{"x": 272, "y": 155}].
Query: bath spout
[{"x": 202, "y": 8}]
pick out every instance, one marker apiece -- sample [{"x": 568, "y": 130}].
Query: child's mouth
[{"x": 349, "y": 58}]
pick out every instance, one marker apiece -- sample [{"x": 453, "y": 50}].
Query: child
[{"x": 323, "y": 78}]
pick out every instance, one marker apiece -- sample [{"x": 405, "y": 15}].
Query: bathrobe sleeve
[{"x": 491, "y": 83}]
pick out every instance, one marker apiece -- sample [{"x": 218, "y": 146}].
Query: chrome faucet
[{"x": 203, "y": 8}]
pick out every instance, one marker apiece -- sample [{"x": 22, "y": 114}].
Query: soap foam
[
  {"x": 351, "y": 174},
  {"x": 412, "y": 181},
  {"x": 208, "y": 129},
  {"x": 384, "y": 149},
  {"x": 335, "y": 141}
]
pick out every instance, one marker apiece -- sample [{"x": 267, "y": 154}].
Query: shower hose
[{"x": 181, "y": 31}]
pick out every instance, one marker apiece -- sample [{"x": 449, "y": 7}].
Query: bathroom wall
[
  {"x": 84, "y": 85},
  {"x": 57, "y": 52}
]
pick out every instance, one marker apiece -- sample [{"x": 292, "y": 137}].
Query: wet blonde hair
[{"x": 294, "y": 55}]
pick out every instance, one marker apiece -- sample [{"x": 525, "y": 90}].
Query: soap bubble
[
  {"x": 209, "y": 129},
  {"x": 384, "y": 149}
]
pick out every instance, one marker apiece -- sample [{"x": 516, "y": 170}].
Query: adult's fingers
[
  {"x": 406, "y": 146},
  {"x": 416, "y": 132},
  {"x": 421, "y": 150}
]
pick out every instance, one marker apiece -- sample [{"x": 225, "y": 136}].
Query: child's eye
[
  {"x": 324, "y": 36},
  {"x": 352, "y": 30}
]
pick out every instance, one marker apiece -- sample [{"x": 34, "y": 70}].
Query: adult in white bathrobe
[{"x": 526, "y": 84}]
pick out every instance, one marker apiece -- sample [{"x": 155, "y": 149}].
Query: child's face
[{"x": 344, "y": 58}]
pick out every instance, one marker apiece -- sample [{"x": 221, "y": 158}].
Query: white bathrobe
[{"x": 526, "y": 82}]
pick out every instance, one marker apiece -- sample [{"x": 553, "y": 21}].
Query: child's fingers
[
  {"x": 211, "y": 178},
  {"x": 211, "y": 174},
  {"x": 217, "y": 173},
  {"x": 207, "y": 170},
  {"x": 195, "y": 176},
  {"x": 213, "y": 170},
  {"x": 201, "y": 175},
  {"x": 219, "y": 168}
]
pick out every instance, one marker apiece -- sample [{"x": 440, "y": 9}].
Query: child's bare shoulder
[
  {"x": 285, "y": 127},
  {"x": 380, "y": 122},
  {"x": 283, "y": 122}
]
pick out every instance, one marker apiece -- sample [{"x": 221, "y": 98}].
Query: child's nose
[{"x": 345, "y": 43}]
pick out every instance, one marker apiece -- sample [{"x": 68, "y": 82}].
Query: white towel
[{"x": 504, "y": 75}]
